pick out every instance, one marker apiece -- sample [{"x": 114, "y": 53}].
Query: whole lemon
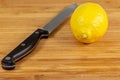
[{"x": 89, "y": 22}]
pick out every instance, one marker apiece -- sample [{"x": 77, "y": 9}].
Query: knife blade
[{"x": 25, "y": 47}]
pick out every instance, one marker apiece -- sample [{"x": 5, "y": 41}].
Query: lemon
[{"x": 89, "y": 22}]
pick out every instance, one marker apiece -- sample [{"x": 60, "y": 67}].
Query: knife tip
[{"x": 74, "y": 5}]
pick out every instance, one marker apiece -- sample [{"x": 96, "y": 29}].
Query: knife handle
[{"x": 23, "y": 49}]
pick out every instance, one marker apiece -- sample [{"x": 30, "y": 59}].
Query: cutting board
[{"x": 61, "y": 56}]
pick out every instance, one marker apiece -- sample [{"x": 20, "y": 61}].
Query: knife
[{"x": 25, "y": 47}]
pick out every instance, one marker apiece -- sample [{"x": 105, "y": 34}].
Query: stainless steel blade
[{"x": 56, "y": 21}]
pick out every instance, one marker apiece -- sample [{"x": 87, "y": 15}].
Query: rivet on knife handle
[{"x": 28, "y": 44}]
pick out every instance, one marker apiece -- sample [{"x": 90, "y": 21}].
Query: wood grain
[{"x": 60, "y": 57}]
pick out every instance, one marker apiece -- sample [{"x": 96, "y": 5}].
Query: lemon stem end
[{"x": 84, "y": 36}]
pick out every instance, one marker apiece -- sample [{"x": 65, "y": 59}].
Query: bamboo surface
[{"x": 61, "y": 56}]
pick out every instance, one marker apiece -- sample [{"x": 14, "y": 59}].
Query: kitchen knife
[{"x": 29, "y": 43}]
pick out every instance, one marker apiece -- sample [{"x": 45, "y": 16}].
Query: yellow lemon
[{"x": 89, "y": 22}]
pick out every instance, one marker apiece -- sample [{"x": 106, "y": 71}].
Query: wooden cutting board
[{"x": 61, "y": 56}]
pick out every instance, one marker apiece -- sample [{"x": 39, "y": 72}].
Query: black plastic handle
[{"x": 23, "y": 49}]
